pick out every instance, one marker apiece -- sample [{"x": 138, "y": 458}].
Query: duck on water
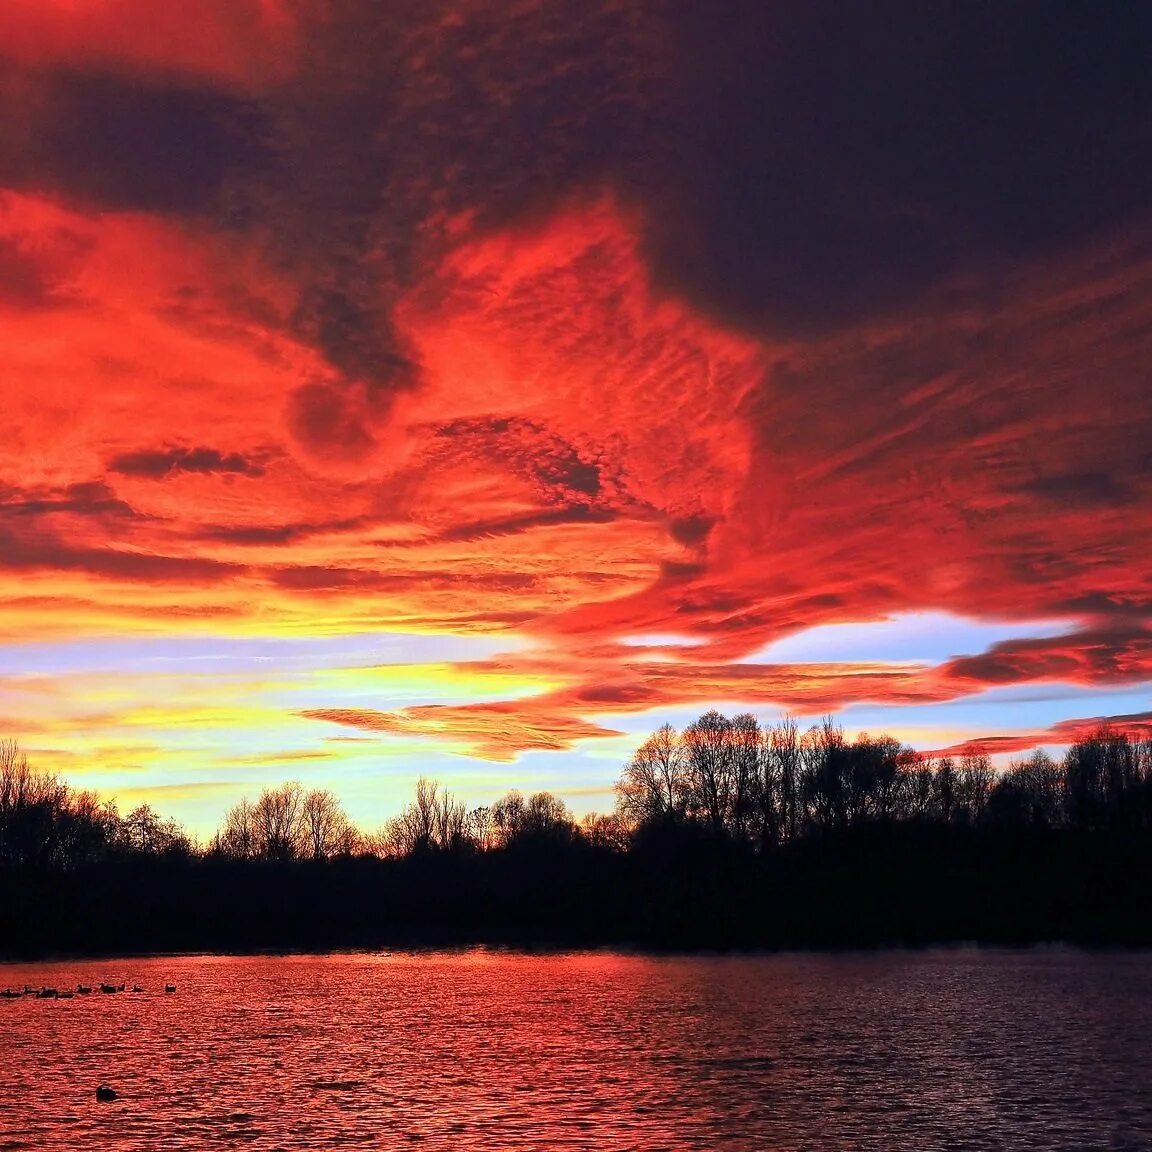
[{"x": 49, "y": 993}]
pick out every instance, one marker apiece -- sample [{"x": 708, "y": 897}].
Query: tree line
[
  {"x": 730, "y": 777},
  {"x": 771, "y": 784},
  {"x": 47, "y": 825},
  {"x": 726, "y": 833}
]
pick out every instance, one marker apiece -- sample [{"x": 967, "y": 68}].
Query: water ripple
[{"x": 923, "y": 1051}]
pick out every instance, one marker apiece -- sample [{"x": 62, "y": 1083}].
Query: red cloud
[
  {"x": 475, "y": 321},
  {"x": 1065, "y": 732},
  {"x": 235, "y": 41},
  {"x": 1105, "y": 654}
]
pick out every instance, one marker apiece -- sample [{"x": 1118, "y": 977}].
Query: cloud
[
  {"x": 823, "y": 165},
  {"x": 582, "y": 321},
  {"x": 1102, "y": 489},
  {"x": 23, "y": 555},
  {"x": 514, "y": 525},
  {"x": 128, "y": 143},
  {"x": 285, "y": 756},
  {"x": 25, "y": 284},
  {"x": 91, "y": 498},
  {"x": 235, "y": 42},
  {"x": 497, "y": 732},
  {"x": 561, "y": 471},
  {"x": 1138, "y": 724},
  {"x": 1106, "y": 654},
  {"x": 159, "y": 463},
  {"x": 344, "y": 425}
]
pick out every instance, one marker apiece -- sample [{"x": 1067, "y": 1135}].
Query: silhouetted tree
[
  {"x": 783, "y": 766},
  {"x": 920, "y": 788},
  {"x": 327, "y": 830},
  {"x": 873, "y": 778},
  {"x": 144, "y": 832},
  {"x": 974, "y": 783},
  {"x": 278, "y": 822},
  {"x": 1029, "y": 793},
  {"x": 1106, "y": 778},
  {"x": 543, "y": 819},
  {"x": 606, "y": 832},
  {"x": 751, "y": 799},
  {"x": 709, "y": 750},
  {"x": 236, "y": 837},
  {"x": 825, "y": 775},
  {"x": 728, "y": 834},
  {"x": 433, "y": 822},
  {"x": 508, "y": 817},
  {"x": 947, "y": 787},
  {"x": 654, "y": 786},
  {"x": 548, "y": 818},
  {"x": 44, "y": 823},
  {"x": 479, "y": 828}
]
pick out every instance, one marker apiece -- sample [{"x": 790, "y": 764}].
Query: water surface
[{"x": 917, "y": 1051}]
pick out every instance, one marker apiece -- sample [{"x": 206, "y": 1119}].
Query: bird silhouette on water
[{"x": 105, "y": 1093}]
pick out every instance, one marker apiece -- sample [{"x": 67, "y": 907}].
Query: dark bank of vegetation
[{"x": 725, "y": 835}]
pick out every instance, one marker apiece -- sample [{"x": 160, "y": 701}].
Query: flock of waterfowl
[
  {"x": 46, "y": 993},
  {"x": 103, "y": 1093}
]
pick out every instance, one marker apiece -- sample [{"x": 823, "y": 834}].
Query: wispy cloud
[{"x": 555, "y": 326}]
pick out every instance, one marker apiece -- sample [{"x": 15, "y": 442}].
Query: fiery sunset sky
[{"x": 464, "y": 389}]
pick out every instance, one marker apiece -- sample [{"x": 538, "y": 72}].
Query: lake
[{"x": 486, "y": 1050}]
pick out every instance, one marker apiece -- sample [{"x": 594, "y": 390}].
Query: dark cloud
[
  {"x": 345, "y": 421},
  {"x": 1135, "y": 724},
  {"x": 1108, "y": 654},
  {"x": 127, "y": 142},
  {"x": 258, "y": 535},
  {"x": 621, "y": 696},
  {"x": 691, "y": 531},
  {"x": 36, "y": 536},
  {"x": 404, "y": 117},
  {"x": 325, "y": 578},
  {"x": 1084, "y": 488},
  {"x": 159, "y": 463},
  {"x": 827, "y": 161},
  {"x": 43, "y": 554},
  {"x": 561, "y": 472},
  {"x": 25, "y": 283},
  {"x": 799, "y": 165},
  {"x": 513, "y": 525},
  {"x": 94, "y": 498}
]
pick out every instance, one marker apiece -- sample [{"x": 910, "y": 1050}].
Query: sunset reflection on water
[{"x": 488, "y": 1050}]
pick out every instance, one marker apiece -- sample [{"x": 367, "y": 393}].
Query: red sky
[{"x": 563, "y": 359}]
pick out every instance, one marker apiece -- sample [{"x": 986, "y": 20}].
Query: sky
[{"x": 465, "y": 389}]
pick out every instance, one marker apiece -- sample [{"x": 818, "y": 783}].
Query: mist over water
[{"x": 479, "y": 1050}]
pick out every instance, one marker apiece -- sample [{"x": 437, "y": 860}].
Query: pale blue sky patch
[
  {"x": 912, "y": 638},
  {"x": 205, "y": 655}
]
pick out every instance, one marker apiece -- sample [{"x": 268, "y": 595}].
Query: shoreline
[{"x": 638, "y": 951}]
